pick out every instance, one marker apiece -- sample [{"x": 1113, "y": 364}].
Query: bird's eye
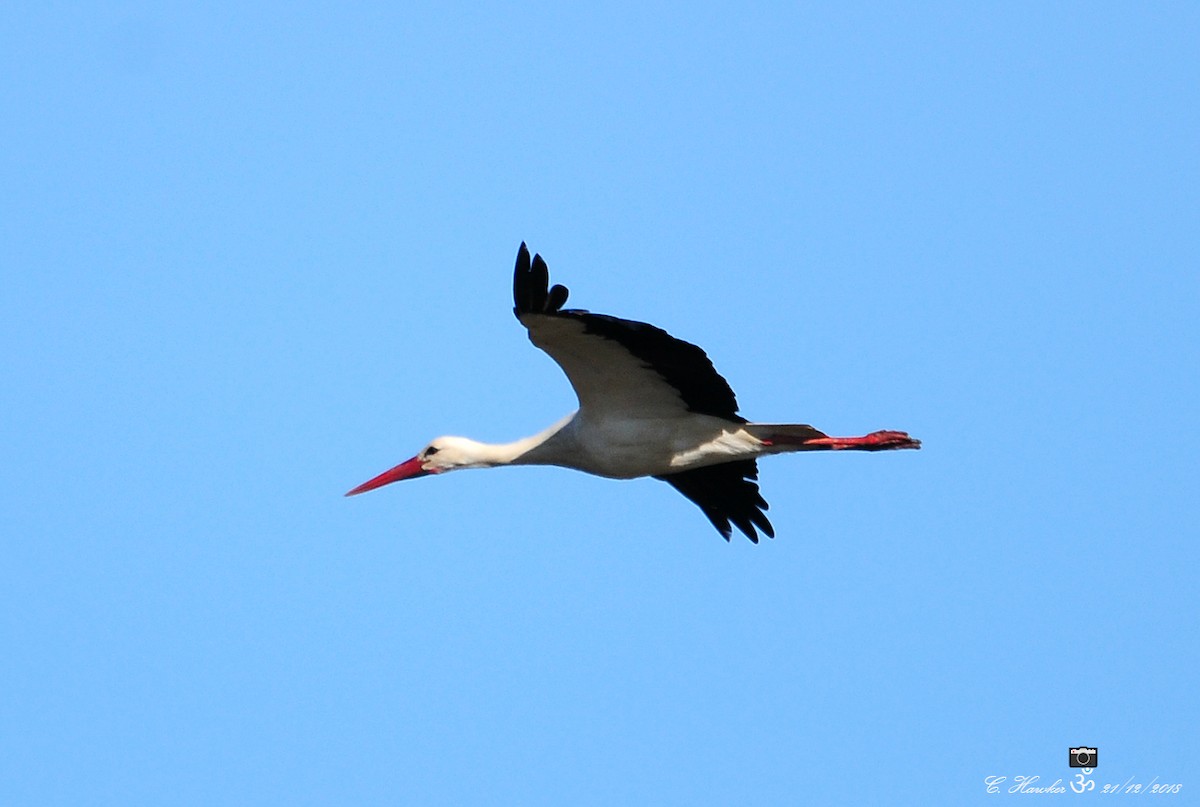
[{"x": 429, "y": 452}]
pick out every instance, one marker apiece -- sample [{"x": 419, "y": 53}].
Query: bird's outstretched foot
[{"x": 875, "y": 441}]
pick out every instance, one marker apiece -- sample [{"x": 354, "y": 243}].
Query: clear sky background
[{"x": 253, "y": 256}]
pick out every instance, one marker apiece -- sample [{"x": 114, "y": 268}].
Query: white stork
[{"x": 649, "y": 405}]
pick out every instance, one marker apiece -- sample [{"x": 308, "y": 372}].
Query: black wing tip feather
[
  {"x": 531, "y": 286},
  {"x": 728, "y": 496}
]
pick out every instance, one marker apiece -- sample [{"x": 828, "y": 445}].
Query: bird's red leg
[{"x": 875, "y": 441}]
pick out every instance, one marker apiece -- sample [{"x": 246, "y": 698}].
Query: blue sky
[{"x": 254, "y": 256}]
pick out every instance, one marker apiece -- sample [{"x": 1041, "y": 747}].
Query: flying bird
[{"x": 649, "y": 405}]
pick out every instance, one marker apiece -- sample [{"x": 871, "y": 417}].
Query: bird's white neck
[{"x": 544, "y": 448}]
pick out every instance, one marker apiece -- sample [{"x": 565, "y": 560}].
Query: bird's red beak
[{"x": 409, "y": 469}]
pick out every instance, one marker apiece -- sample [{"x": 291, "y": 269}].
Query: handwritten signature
[{"x": 1080, "y": 784}]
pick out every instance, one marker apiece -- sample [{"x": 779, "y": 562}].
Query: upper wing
[
  {"x": 617, "y": 364},
  {"x": 726, "y": 492}
]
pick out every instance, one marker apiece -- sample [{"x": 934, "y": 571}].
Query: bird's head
[{"x": 441, "y": 455}]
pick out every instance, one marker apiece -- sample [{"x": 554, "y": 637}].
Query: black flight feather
[
  {"x": 726, "y": 493},
  {"x": 558, "y": 298}
]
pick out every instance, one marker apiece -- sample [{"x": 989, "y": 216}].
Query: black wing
[
  {"x": 602, "y": 354},
  {"x": 726, "y": 492}
]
